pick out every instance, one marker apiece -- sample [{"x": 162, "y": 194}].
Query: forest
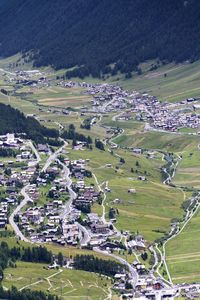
[
  {"x": 99, "y": 37},
  {"x": 14, "y": 121},
  {"x": 97, "y": 265}
]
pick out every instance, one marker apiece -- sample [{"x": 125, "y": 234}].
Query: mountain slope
[
  {"x": 94, "y": 33},
  {"x": 13, "y": 121}
]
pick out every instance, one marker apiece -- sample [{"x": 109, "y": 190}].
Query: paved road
[
  {"x": 72, "y": 194},
  {"x": 26, "y": 198},
  {"x": 134, "y": 274},
  {"x": 85, "y": 235},
  {"x": 68, "y": 206},
  {"x": 53, "y": 157},
  {"x": 16, "y": 211}
]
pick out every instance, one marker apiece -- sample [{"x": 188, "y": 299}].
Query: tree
[
  {"x": 137, "y": 164},
  {"x": 122, "y": 160},
  {"x": 99, "y": 145},
  {"x": 144, "y": 256},
  {"x": 60, "y": 259}
]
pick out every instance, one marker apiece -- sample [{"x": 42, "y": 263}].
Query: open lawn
[{"x": 188, "y": 171}]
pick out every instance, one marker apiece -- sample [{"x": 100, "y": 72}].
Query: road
[
  {"x": 85, "y": 235},
  {"x": 25, "y": 188},
  {"x": 72, "y": 194},
  {"x": 26, "y": 198},
  {"x": 133, "y": 272},
  {"x": 53, "y": 157},
  {"x": 68, "y": 206},
  {"x": 16, "y": 211}
]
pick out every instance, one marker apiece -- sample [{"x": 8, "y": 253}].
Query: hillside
[
  {"x": 94, "y": 34},
  {"x": 13, "y": 121}
]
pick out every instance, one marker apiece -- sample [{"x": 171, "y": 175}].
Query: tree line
[
  {"x": 8, "y": 256},
  {"x": 14, "y": 121},
  {"x": 14, "y": 294},
  {"x": 72, "y": 134},
  {"x": 93, "y": 264}
]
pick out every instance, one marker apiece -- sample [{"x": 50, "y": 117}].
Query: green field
[
  {"x": 151, "y": 209},
  {"x": 159, "y": 140},
  {"x": 56, "y": 96},
  {"x": 182, "y": 81},
  {"x": 183, "y": 253},
  {"x": 67, "y": 284},
  {"x": 188, "y": 171}
]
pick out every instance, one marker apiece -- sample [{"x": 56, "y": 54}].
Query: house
[
  {"x": 100, "y": 228},
  {"x": 43, "y": 148},
  {"x": 137, "y": 151},
  {"x": 132, "y": 191}
]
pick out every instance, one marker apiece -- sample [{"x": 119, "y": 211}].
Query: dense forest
[
  {"x": 97, "y": 265},
  {"x": 14, "y": 294},
  {"x": 14, "y": 121},
  {"x": 92, "y": 34}
]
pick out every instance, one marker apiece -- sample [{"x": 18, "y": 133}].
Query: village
[
  {"x": 64, "y": 215},
  {"x": 143, "y": 107},
  {"x": 46, "y": 197},
  {"x": 108, "y": 98}
]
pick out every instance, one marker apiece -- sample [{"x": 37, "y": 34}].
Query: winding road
[{"x": 25, "y": 200}]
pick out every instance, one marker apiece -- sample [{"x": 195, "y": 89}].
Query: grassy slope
[
  {"x": 182, "y": 81},
  {"x": 152, "y": 207},
  {"x": 68, "y": 284},
  {"x": 183, "y": 253}
]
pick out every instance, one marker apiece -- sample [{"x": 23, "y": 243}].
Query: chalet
[
  {"x": 100, "y": 228},
  {"x": 137, "y": 151},
  {"x": 43, "y": 148}
]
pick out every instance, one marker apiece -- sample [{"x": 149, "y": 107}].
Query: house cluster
[
  {"x": 161, "y": 115},
  {"x": 10, "y": 141},
  {"x": 143, "y": 107},
  {"x": 138, "y": 243},
  {"x": 43, "y": 223},
  {"x": 15, "y": 172},
  {"x": 146, "y": 287}
]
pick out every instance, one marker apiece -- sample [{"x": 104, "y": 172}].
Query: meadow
[
  {"x": 148, "y": 211},
  {"x": 58, "y": 96},
  {"x": 158, "y": 140},
  {"x": 180, "y": 82},
  {"x": 183, "y": 254},
  {"x": 67, "y": 284}
]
